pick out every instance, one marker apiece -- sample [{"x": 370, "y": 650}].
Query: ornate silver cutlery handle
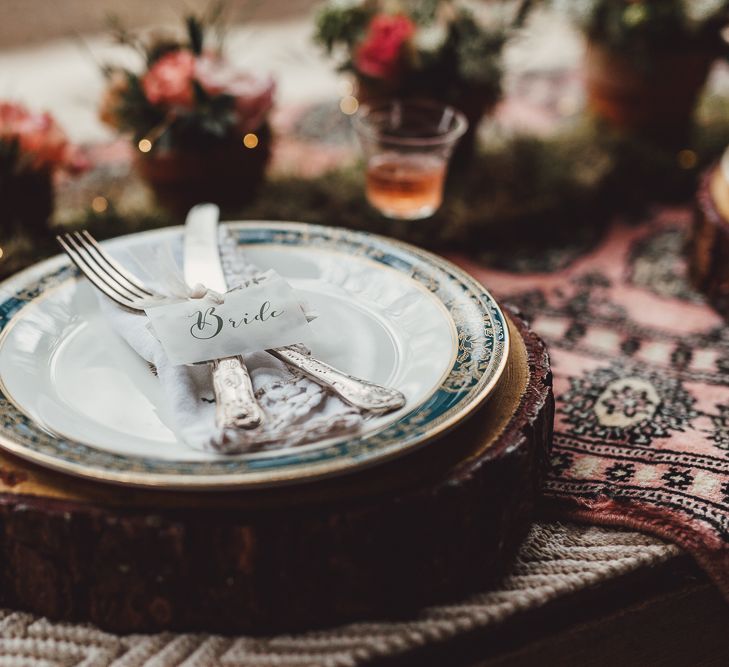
[
  {"x": 359, "y": 393},
  {"x": 235, "y": 403}
]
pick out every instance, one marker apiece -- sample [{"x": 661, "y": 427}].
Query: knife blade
[
  {"x": 235, "y": 402},
  {"x": 201, "y": 254}
]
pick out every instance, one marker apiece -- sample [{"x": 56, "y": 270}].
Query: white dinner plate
[{"x": 76, "y": 398}]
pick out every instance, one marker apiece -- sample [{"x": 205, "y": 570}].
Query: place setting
[
  {"x": 241, "y": 369},
  {"x": 329, "y": 386},
  {"x": 108, "y": 386}
]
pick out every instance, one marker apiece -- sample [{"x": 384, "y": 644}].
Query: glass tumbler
[{"x": 407, "y": 147}]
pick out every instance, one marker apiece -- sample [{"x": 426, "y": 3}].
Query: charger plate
[{"x": 75, "y": 398}]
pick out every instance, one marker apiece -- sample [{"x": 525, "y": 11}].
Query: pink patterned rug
[{"x": 641, "y": 377}]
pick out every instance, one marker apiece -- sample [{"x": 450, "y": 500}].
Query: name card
[{"x": 261, "y": 315}]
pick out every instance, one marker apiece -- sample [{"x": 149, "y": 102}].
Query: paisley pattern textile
[{"x": 641, "y": 369}]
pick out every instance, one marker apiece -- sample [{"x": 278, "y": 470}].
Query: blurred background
[
  {"x": 579, "y": 109},
  {"x": 25, "y": 22}
]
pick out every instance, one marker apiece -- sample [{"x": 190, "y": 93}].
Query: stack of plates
[{"x": 77, "y": 399}]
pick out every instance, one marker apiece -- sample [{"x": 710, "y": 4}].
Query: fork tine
[
  {"x": 92, "y": 273},
  {"x": 125, "y": 277},
  {"x": 83, "y": 267},
  {"x": 101, "y": 261},
  {"x": 90, "y": 261}
]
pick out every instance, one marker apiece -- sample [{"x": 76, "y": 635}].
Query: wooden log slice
[
  {"x": 434, "y": 525},
  {"x": 708, "y": 249}
]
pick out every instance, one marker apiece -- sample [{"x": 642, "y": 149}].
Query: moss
[{"x": 521, "y": 196}]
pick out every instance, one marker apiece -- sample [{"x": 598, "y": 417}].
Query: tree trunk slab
[
  {"x": 708, "y": 249},
  {"x": 439, "y": 523}
]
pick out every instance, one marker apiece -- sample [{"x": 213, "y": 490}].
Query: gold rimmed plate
[{"x": 77, "y": 399}]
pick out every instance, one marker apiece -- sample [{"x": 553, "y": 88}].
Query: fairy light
[
  {"x": 687, "y": 159},
  {"x": 144, "y": 145},
  {"x": 349, "y": 105},
  {"x": 99, "y": 204},
  {"x": 1, "y": 253},
  {"x": 250, "y": 140}
]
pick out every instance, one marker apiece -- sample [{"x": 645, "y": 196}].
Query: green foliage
[
  {"x": 640, "y": 28},
  {"x": 337, "y": 26},
  {"x": 450, "y": 50},
  {"x": 423, "y": 12},
  {"x": 478, "y": 53}
]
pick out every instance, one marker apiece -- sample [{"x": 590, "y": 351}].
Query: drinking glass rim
[{"x": 366, "y": 110}]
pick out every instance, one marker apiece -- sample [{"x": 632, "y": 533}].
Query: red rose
[
  {"x": 380, "y": 54},
  {"x": 169, "y": 81}
]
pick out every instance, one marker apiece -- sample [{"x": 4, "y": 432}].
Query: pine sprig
[{"x": 195, "y": 34}]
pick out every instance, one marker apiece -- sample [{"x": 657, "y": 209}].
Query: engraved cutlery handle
[
  {"x": 359, "y": 393},
  {"x": 235, "y": 402}
]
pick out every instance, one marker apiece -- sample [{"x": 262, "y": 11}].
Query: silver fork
[
  {"x": 125, "y": 289},
  {"x": 235, "y": 402}
]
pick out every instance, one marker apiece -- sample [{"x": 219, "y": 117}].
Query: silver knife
[
  {"x": 361, "y": 394},
  {"x": 235, "y": 402}
]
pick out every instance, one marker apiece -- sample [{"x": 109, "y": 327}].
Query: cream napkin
[{"x": 297, "y": 410}]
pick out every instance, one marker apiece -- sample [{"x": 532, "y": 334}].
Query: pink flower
[
  {"x": 169, "y": 81},
  {"x": 253, "y": 100},
  {"x": 43, "y": 144},
  {"x": 253, "y": 94},
  {"x": 380, "y": 54}
]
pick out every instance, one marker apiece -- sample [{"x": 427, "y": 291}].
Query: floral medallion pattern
[{"x": 624, "y": 402}]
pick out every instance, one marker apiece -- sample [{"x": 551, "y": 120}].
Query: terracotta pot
[
  {"x": 26, "y": 202},
  {"x": 474, "y": 103},
  {"x": 654, "y": 99},
  {"x": 226, "y": 173}
]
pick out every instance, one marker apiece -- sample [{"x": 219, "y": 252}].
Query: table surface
[{"x": 648, "y": 606}]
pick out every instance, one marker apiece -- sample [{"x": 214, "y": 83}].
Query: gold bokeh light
[
  {"x": 144, "y": 145},
  {"x": 687, "y": 159},
  {"x": 99, "y": 204},
  {"x": 349, "y": 105},
  {"x": 250, "y": 140}
]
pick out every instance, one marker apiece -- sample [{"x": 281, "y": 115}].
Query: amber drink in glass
[{"x": 407, "y": 146}]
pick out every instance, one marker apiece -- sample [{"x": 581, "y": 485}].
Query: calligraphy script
[
  {"x": 261, "y": 314},
  {"x": 209, "y": 324}
]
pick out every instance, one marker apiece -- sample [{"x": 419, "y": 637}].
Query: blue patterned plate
[{"x": 75, "y": 398}]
